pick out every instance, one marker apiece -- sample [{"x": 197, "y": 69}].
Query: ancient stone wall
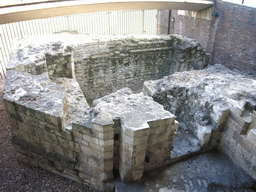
[
  {"x": 131, "y": 61},
  {"x": 145, "y": 132},
  {"x": 53, "y": 127},
  {"x": 103, "y": 65},
  {"x": 217, "y": 106},
  {"x": 239, "y": 140}
]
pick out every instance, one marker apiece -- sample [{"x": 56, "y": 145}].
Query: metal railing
[{"x": 100, "y": 23}]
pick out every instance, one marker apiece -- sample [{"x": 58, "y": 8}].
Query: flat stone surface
[
  {"x": 134, "y": 110},
  {"x": 35, "y": 92}
]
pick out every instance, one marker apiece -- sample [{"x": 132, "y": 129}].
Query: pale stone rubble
[{"x": 217, "y": 105}]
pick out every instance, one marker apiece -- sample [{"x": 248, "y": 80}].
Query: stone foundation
[
  {"x": 53, "y": 127},
  {"x": 49, "y": 81},
  {"x": 104, "y": 64},
  {"x": 217, "y": 106}
]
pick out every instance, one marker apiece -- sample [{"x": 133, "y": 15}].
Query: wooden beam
[{"x": 53, "y": 9}]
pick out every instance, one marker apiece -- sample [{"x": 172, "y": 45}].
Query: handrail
[{"x": 53, "y": 9}]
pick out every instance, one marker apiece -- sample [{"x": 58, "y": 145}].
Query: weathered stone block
[
  {"x": 26, "y": 128},
  {"x": 104, "y": 136},
  {"x": 137, "y": 173},
  {"x": 204, "y": 134},
  {"x": 231, "y": 126},
  {"x": 57, "y": 149},
  {"x": 33, "y": 139},
  {"x": 242, "y": 140},
  {"x": 253, "y": 124},
  {"x": 160, "y": 129},
  {"x": 82, "y": 128},
  {"x": 106, "y": 165},
  {"x": 252, "y": 137},
  {"x": 138, "y": 148},
  {"x": 136, "y": 132},
  {"x": 9, "y": 107},
  {"x": 86, "y": 178},
  {"x": 77, "y": 135},
  {"x": 103, "y": 128},
  {"x": 50, "y": 137},
  {"x": 58, "y": 166},
  {"x": 97, "y": 183},
  {"x": 89, "y": 152},
  {"x": 100, "y": 142},
  {"x": 220, "y": 113},
  {"x": 54, "y": 120},
  {"x": 63, "y": 142},
  {"x": 62, "y": 134},
  {"x": 69, "y": 153},
  {"x": 14, "y": 125},
  {"x": 243, "y": 157},
  {"x": 70, "y": 172},
  {"x": 140, "y": 158},
  {"x": 26, "y": 159},
  {"x": 39, "y": 133},
  {"x": 74, "y": 146},
  {"x": 107, "y": 148},
  {"x": 48, "y": 127},
  {"x": 69, "y": 134},
  {"x": 82, "y": 142},
  {"x": 154, "y": 139},
  {"x": 134, "y": 140},
  {"x": 242, "y": 122},
  {"x": 46, "y": 144},
  {"x": 24, "y": 135},
  {"x": 22, "y": 150}
]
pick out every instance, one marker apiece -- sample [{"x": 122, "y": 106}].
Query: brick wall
[
  {"x": 235, "y": 41},
  {"x": 229, "y": 38},
  {"x": 202, "y": 30}
]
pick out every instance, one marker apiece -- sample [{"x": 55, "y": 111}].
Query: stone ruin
[
  {"x": 51, "y": 79},
  {"x": 217, "y": 106}
]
